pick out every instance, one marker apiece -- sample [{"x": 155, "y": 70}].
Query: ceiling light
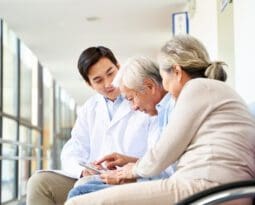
[{"x": 92, "y": 18}]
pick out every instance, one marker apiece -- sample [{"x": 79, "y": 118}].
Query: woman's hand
[
  {"x": 115, "y": 159},
  {"x": 120, "y": 176}
]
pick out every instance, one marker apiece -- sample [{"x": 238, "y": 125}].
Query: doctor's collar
[{"x": 119, "y": 98}]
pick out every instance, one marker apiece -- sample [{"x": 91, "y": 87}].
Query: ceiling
[{"x": 58, "y": 30}]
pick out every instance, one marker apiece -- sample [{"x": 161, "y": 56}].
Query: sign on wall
[{"x": 180, "y": 23}]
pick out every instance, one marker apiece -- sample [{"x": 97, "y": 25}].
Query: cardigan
[{"x": 210, "y": 133}]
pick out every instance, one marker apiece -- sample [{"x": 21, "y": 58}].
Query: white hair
[
  {"x": 192, "y": 56},
  {"x": 134, "y": 71}
]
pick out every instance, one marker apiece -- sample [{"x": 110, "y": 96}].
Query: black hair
[{"x": 91, "y": 56}]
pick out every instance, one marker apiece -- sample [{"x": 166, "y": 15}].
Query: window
[
  {"x": 8, "y": 183},
  {"x": 36, "y": 152},
  {"x": 28, "y": 85},
  {"x": 9, "y": 164},
  {"x": 48, "y": 120},
  {"x": 65, "y": 109},
  {"x": 25, "y": 149},
  {"x": 30, "y": 100},
  {"x": 10, "y": 71}
]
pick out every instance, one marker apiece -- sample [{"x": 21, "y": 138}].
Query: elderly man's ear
[{"x": 150, "y": 84}]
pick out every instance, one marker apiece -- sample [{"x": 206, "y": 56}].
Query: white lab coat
[{"x": 95, "y": 135}]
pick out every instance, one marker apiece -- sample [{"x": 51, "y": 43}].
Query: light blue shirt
[
  {"x": 112, "y": 106},
  {"x": 164, "y": 108}
]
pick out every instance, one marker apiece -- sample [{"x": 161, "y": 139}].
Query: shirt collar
[
  {"x": 163, "y": 102},
  {"x": 118, "y": 99}
]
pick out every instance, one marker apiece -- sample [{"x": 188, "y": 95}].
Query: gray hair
[
  {"x": 133, "y": 73},
  {"x": 191, "y": 55}
]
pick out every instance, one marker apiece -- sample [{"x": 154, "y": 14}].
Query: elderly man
[{"x": 140, "y": 83}]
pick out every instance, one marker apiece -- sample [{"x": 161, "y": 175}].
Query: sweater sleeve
[{"x": 191, "y": 110}]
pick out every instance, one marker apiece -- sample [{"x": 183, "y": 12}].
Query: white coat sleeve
[
  {"x": 77, "y": 148},
  {"x": 191, "y": 109}
]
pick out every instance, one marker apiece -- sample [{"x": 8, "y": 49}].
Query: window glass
[
  {"x": 48, "y": 119},
  {"x": 25, "y": 156},
  {"x": 24, "y": 173},
  {"x": 35, "y": 94},
  {"x": 28, "y": 85},
  {"x": 48, "y": 105},
  {"x": 57, "y": 108},
  {"x": 9, "y": 152},
  {"x": 36, "y": 151},
  {"x": 25, "y": 135},
  {"x": 9, "y": 129},
  {"x": 8, "y": 180},
  {"x": 67, "y": 110},
  {"x": 64, "y": 121},
  {"x": 10, "y": 71},
  {"x": 65, "y": 117}
]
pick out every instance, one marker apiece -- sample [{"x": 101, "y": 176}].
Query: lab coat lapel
[
  {"x": 123, "y": 110},
  {"x": 102, "y": 111}
]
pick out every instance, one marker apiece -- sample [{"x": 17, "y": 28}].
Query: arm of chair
[{"x": 222, "y": 193}]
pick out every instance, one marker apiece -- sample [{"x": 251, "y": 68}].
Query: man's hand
[
  {"x": 115, "y": 159},
  {"x": 120, "y": 176}
]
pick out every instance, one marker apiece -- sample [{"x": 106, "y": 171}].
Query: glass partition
[
  {"x": 9, "y": 162},
  {"x": 48, "y": 120},
  {"x": 28, "y": 85},
  {"x": 10, "y": 71},
  {"x": 36, "y": 117},
  {"x": 65, "y": 116},
  {"x": 25, "y": 149},
  {"x": 8, "y": 183},
  {"x": 36, "y": 152}
]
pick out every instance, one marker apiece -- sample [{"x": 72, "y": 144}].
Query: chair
[{"x": 222, "y": 193}]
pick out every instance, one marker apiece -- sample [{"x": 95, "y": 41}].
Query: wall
[
  {"x": 228, "y": 36},
  {"x": 244, "y": 34},
  {"x": 203, "y": 25},
  {"x": 226, "y": 45}
]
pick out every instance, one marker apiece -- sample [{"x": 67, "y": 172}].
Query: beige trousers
[
  {"x": 48, "y": 188},
  {"x": 163, "y": 192}
]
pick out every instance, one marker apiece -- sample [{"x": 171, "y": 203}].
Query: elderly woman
[{"x": 210, "y": 133}]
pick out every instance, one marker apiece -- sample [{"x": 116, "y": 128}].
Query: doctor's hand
[
  {"x": 120, "y": 176},
  {"x": 115, "y": 159}
]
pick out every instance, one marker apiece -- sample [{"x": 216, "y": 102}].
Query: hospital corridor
[{"x": 94, "y": 94}]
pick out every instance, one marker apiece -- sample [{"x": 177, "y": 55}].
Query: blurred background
[{"x": 40, "y": 43}]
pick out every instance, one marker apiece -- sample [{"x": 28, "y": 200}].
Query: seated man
[
  {"x": 105, "y": 124},
  {"x": 140, "y": 82}
]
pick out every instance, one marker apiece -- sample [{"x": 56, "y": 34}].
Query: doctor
[{"x": 105, "y": 124}]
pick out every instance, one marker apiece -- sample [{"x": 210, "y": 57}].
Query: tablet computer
[{"x": 92, "y": 168}]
